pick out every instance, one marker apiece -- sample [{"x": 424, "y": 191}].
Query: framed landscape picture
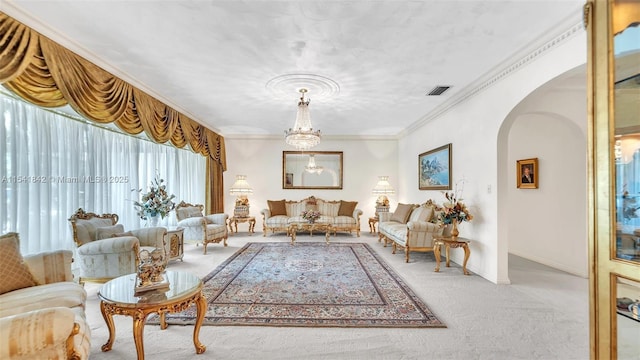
[
  {"x": 434, "y": 169},
  {"x": 527, "y": 173}
]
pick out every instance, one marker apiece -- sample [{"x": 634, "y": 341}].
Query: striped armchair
[
  {"x": 106, "y": 250},
  {"x": 202, "y": 228}
]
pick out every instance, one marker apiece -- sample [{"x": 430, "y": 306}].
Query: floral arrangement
[
  {"x": 154, "y": 202},
  {"x": 454, "y": 208},
  {"x": 310, "y": 215}
]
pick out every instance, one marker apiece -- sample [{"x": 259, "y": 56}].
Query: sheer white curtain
[{"x": 51, "y": 165}]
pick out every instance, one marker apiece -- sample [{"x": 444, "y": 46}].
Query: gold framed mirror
[{"x": 312, "y": 170}]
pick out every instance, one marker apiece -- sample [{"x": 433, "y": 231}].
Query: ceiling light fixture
[
  {"x": 312, "y": 167},
  {"x": 302, "y": 136}
]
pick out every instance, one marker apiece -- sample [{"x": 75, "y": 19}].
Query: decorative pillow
[
  {"x": 126, "y": 233},
  {"x": 14, "y": 273},
  {"x": 188, "y": 212},
  {"x": 421, "y": 213},
  {"x": 277, "y": 207},
  {"x": 402, "y": 213},
  {"x": 347, "y": 208},
  {"x": 108, "y": 232},
  {"x": 194, "y": 212}
]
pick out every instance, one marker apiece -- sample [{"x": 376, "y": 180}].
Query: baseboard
[{"x": 550, "y": 263}]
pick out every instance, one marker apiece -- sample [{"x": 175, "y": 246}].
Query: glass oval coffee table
[{"x": 119, "y": 297}]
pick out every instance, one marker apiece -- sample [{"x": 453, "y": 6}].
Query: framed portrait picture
[
  {"x": 527, "y": 173},
  {"x": 434, "y": 169},
  {"x": 288, "y": 180}
]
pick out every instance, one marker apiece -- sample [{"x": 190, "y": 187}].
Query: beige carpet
[{"x": 542, "y": 315}]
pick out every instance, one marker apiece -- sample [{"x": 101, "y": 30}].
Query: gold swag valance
[{"x": 48, "y": 75}]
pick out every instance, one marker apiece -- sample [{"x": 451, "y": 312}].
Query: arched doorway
[{"x": 548, "y": 224}]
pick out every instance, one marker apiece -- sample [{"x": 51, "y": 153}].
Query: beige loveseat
[
  {"x": 342, "y": 215},
  {"x": 42, "y": 311},
  {"x": 411, "y": 227}
]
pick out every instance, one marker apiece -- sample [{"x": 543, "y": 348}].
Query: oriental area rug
[{"x": 309, "y": 284}]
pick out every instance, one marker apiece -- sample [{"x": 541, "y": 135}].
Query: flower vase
[
  {"x": 454, "y": 228},
  {"x": 153, "y": 221}
]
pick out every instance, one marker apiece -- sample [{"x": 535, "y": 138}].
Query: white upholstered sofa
[
  {"x": 42, "y": 311},
  {"x": 342, "y": 215},
  {"x": 411, "y": 227},
  {"x": 202, "y": 228}
]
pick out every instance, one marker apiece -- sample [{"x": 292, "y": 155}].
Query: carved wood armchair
[
  {"x": 105, "y": 251},
  {"x": 201, "y": 228}
]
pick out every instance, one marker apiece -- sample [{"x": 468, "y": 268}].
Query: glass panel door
[{"x": 614, "y": 182}]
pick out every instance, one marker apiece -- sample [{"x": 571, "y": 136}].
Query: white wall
[
  {"x": 484, "y": 153},
  {"x": 261, "y": 161},
  {"x": 473, "y": 128},
  {"x": 549, "y": 224}
]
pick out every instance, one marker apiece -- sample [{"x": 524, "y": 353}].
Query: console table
[{"x": 451, "y": 242}]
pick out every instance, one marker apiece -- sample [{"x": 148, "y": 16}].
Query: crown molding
[
  {"x": 271, "y": 137},
  {"x": 10, "y": 8},
  {"x": 558, "y": 36}
]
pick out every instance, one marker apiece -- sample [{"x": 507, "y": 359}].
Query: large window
[{"x": 52, "y": 164}]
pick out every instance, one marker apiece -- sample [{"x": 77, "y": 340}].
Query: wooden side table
[
  {"x": 174, "y": 241},
  {"x": 451, "y": 242},
  {"x": 234, "y": 220},
  {"x": 372, "y": 224}
]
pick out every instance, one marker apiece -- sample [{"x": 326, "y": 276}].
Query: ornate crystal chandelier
[
  {"x": 302, "y": 136},
  {"x": 312, "y": 167}
]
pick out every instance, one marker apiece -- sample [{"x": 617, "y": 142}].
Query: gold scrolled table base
[
  {"x": 140, "y": 306},
  {"x": 451, "y": 242},
  {"x": 310, "y": 227}
]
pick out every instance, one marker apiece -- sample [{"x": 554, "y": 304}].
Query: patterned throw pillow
[
  {"x": 402, "y": 213},
  {"x": 277, "y": 207},
  {"x": 109, "y": 232},
  {"x": 347, "y": 208},
  {"x": 14, "y": 273}
]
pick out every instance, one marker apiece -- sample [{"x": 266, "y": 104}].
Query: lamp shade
[
  {"x": 383, "y": 187},
  {"x": 241, "y": 186}
]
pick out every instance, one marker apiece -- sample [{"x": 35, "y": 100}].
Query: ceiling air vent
[{"x": 438, "y": 90}]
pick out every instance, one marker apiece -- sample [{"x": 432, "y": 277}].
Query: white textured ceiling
[{"x": 214, "y": 60}]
